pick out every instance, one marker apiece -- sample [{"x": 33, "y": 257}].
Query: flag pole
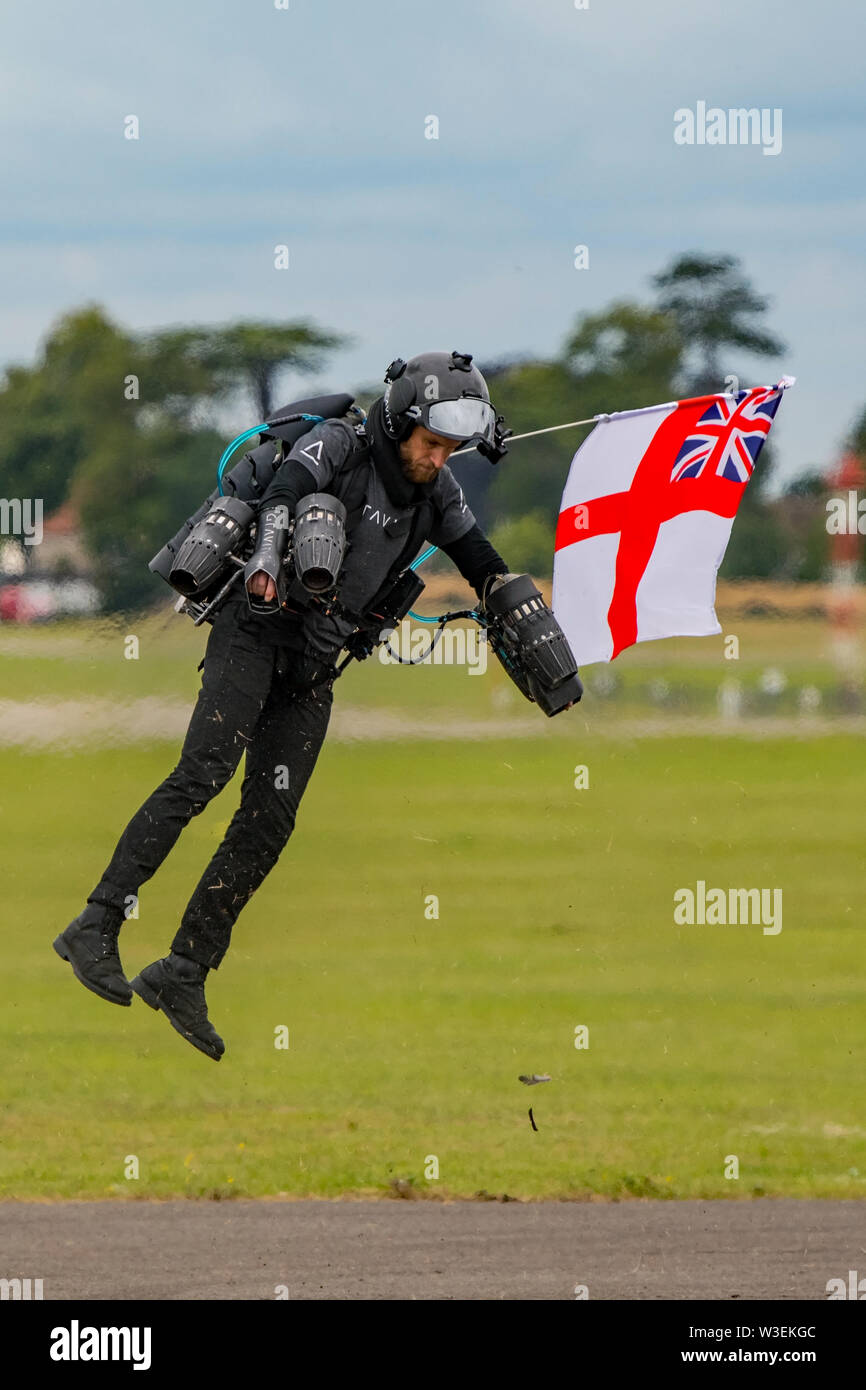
[
  {"x": 781, "y": 385},
  {"x": 513, "y": 438}
]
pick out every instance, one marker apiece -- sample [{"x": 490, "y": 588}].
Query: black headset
[{"x": 399, "y": 390}]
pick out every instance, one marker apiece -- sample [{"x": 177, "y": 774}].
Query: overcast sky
[{"x": 306, "y": 126}]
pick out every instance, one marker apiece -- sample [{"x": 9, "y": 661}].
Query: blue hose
[
  {"x": 242, "y": 438},
  {"x": 419, "y": 617}
]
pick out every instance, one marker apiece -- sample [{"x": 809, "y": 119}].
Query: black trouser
[{"x": 246, "y": 705}]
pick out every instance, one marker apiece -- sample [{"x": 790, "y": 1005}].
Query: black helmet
[{"x": 444, "y": 392}]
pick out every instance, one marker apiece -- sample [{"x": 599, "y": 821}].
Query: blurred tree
[
  {"x": 811, "y": 484},
  {"x": 620, "y": 359},
  {"x": 802, "y": 515},
  {"x": 756, "y": 549},
  {"x": 526, "y": 543},
  {"x": 132, "y": 492},
  {"x": 52, "y": 413},
  {"x": 715, "y": 308},
  {"x": 857, "y": 439},
  {"x": 91, "y": 379},
  {"x": 117, "y": 422},
  {"x": 630, "y": 350},
  {"x": 247, "y": 355}
]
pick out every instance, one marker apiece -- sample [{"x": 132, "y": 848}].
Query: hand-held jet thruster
[
  {"x": 210, "y": 547},
  {"x": 318, "y": 546},
  {"x": 529, "y": 643},
  {"x": 319, "y": 542}
]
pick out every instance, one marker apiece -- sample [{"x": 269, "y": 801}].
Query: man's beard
[{"x": 418, "y": 472}]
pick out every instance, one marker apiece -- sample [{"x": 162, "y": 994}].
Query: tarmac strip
[{"x": 775, "y": 1249}]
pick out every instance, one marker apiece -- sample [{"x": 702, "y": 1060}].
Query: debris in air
[
  {"x": 534, "y": 1079},
  {"x": 532, "y": 1121}
]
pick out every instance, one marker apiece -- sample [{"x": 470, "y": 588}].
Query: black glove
[{"x": 272, "y": 541}]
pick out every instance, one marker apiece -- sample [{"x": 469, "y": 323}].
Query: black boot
[
  {"x": 176, "y": 985},
  {"x": 90, "y": 945}
]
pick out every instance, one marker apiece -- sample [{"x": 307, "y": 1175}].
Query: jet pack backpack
[
  {"x": 248, "y": 481},
  {"x": 218, "y": 534}
]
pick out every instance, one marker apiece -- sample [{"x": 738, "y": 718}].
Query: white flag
[{"x": 646, "y": 516}]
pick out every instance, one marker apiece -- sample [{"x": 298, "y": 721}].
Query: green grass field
[
  {"x": 407, "y": 1035},
  {"x": 80, "y": 659}
]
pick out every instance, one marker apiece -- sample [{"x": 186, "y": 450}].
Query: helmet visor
[{"x": 466, "y": 418}]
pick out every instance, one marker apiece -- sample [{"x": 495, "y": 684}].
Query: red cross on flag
[{"x": 646, "y": 516}]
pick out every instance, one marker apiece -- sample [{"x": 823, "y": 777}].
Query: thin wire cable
[{"x": 530, "y": 434}]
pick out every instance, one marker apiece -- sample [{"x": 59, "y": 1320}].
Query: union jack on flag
[{"x": 729, "y": 436}]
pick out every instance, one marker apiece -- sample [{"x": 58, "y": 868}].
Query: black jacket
[{"x": 389, "y": 521}]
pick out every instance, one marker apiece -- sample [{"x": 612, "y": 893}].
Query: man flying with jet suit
[{"x": 271, "y": 661}]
